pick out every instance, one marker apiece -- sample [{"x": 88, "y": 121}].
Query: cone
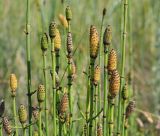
[
  {"x": 99, "y": 130},
  {"x": 44, "y": 42},
  {"x": 57, "y": 41},
  {"x": 41, "y": 93},
  {"x": 22, "y": 114},
  {"x": 52, "y": 30},
  {"x": 112, "y": 61},
  {"x": 94, "y": 42},
  {"x": 114, "y": 85},
  {"x": 63, "y": 20},
  {"x": 68, "y": 13},
  {"x": 125, "y": 92},
  {"x": 97, "y": 75},
  {"x": 69, "y": 44},
  {"x": 13, "y": 84},
  {"x": 6, "y": 125},
  {"x": 107, "y": 37},
  {"x": 130, "y": 108}
]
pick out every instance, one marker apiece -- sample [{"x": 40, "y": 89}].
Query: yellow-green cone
[
  {"x": 41, "y": 93},
  {"x": 22, "y": 114}
]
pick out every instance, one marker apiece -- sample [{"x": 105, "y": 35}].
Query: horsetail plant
[
  {"x": 52, "y": 34},
  {"x": 94, "y": 47},
  {"x": 40, "y": 98},
  {"x": 107, "y": 37},
  {"x": 44, "y": 47},
  {"x": 96, "y": 83},
  {"x": 22, "y": 112},
  {"x": 6, "y": 126},
  {"x": 13, "y": 86},
  {"x": 124, "y": 100},
  {"x": 100, "y": 57},
  {"x": 114, "y": 86},
  {"x": 129, "y": 110},
  {"x": 123, "y": 51},
  {"x": 70, "y": 55},
  {"x": 57, "y": 45},
  {"x": 62, "y": 112},
  {"x": 28, "y": 64}
]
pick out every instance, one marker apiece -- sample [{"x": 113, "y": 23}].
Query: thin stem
[
  {"x": 15, "y": 114},
  {"x": 88, "y": 99},
  {"x": 40, "y": 120},
  {"x": 1, "y": 130},
  {"x": 69, "y": 93},
  {"x": 54, "y": 88},
  {"x": 46, "y": 89},
  {"x": 91, "y": 95},
  {"x": 111, "y": 116},
  {"x": 57, "y": 61},
  {"x": 96, "y": 105},
  {"x": 28, "y": 63},
  {"x": 123, "y": 51},
  {"x": 100, "y": 64},
  {"x": 123, "y": 116},
  {"x": 105, "y": 89}
]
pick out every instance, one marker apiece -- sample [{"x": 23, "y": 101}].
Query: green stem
[
  {"x": 57, "y": 61},
  {"x": 1, "y": 130},
  {"x": 123, "y": 118},
  {"x": 105, "y": 89},
  {"x": 69, "y": 93},
  {"x": 125, "y": 5},
  {"x": 46, "y": 94},
  {"x": 96, "y": 106},
  {"x": 15, "y": 114},
  {"x": 60, "y": 128},
  {"x": 100, "y": 64},
  {"x": 28, "y": 63},
  {"x": 111, "y": 116},
  {"x": 91, "y": 95},
  {"x": 88, "y": 100},
  {"x": 40, "y": 120},
  {"x": 54, "y": 88},
  {"x": 24, "y": 130}
]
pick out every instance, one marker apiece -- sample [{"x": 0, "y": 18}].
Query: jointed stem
[
  {"x": 105, "y": 91},
  {"x": 54, "y": 88},
  {"x": 91, "y": 95},
  {"x": 46, "y": 94},
  {"x": 111, "y": 116},
  {"x": 122, "y": 67},
  {"x": 28, "y": 63},
  {"x": 15, "y": 114},
  {"x": 40, "y": 120}
]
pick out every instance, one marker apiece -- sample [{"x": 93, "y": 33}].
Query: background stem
[
  {"x": 123, "y": 51},
  {"x": 28, "y": 64},
  {"x": 15, "y": 114}
]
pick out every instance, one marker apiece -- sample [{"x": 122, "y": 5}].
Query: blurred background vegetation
[{"x": 145, "y": 20}]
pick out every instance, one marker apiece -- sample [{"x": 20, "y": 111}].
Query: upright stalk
[
  {"x": 100, "y": 59},
  {"x": 111, "y": 116},
  {"x": 107, "y": 37},
  {"x": 123, "y": 51},
  {"x": 96, "y": 105},
  {"x": 46, "y": 94},
  {"x": 91, "y": 95},
  {"x": 70, "y": 51},
  {"x": 15, "y": 114},
  {"x": 1, "y": 130},
  {"x": 105, "y": 90},
  {"x": 87, "y": 101},
  {"x": 40, "y": 121},
  {"x": 54, "y": 88},
  {"x": 28, "y": 64}
]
